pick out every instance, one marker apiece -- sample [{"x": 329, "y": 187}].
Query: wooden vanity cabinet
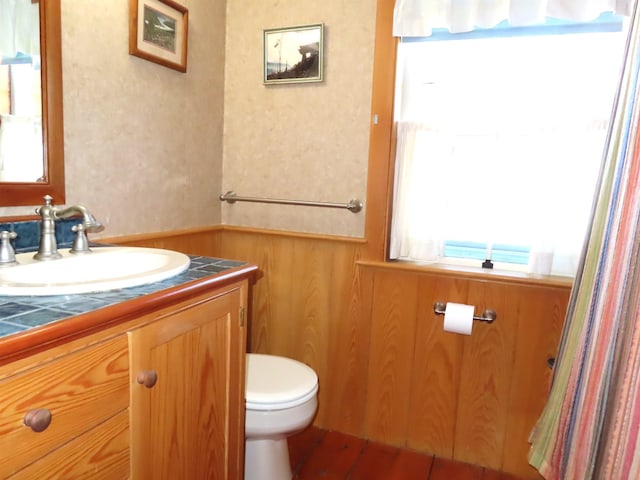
[
  {"x": 187, "y": 392},
  {"x": 154, "y": 396}
]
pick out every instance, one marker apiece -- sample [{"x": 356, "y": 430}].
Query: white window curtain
[
  {"x": 511, "y": 157},
  {"x": 419, "y": 17}
]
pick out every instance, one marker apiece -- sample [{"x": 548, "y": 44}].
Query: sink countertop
[{"x": 24, "y": 314}]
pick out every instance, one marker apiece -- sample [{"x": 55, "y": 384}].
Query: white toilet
[{"x": 281, "y": 399}]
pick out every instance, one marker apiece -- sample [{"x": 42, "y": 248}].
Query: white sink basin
[{"x": 105, "y": 268}]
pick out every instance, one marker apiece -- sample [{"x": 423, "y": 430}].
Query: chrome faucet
[{"x": 48, "y": 249}]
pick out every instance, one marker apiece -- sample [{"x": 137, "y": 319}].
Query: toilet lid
[{"x": 277, "y": 382}]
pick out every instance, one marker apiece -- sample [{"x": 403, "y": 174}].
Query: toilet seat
[{"x": 275, "y": 383}]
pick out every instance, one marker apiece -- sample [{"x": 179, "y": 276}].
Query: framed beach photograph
[
  {"x": 293, "y": 54},
  {"x": 158, "y": 32}
]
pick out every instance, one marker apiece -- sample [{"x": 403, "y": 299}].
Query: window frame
[
  {"x": 382, "y": 137},
  {"x": 381, "y": 166}
]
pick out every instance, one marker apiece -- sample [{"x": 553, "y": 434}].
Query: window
[{"x": 500, "y": 136}]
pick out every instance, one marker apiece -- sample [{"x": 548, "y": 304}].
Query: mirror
[{"x": 25, "y": 181}]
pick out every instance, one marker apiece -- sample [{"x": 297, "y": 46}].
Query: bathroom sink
[{"x": 105, "y": 268}]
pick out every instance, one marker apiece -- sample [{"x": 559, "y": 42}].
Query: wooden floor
[{"x": 326, "y": 455}]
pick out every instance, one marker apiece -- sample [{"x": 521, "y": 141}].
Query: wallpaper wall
[
  {"x": 298, "y": 141},
  {"x": 144, "y": 144}
]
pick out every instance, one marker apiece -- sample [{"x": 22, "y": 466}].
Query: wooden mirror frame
[{"x": 18, "y": 194}]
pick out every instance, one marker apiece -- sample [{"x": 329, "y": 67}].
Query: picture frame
[
  {"x": 158, "y": 32},
  {"x": 293, "y": 54}
]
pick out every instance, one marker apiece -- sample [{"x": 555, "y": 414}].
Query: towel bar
[{"x": 353, "y": 206}]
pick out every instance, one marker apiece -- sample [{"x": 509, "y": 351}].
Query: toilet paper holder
[{"x": 487, "y": 316}]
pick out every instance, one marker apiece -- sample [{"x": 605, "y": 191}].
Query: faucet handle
[
  {"x": 47, "y": 209},
  {"x": 7, "y": 253},
  {"x": 81, "y": 242}
]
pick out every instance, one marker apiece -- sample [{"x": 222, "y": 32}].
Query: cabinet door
[{"x": 187, "y": 392}]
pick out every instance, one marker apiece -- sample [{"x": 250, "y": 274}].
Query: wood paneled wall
[{"x": 388, "y": 372}]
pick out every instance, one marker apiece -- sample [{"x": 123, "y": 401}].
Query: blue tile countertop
[{"x": 20, "y": 313}]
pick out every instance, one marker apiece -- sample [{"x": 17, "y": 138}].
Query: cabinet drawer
[
  {"x": 99, "y": 454},
  {"x": 81, "y": 390}
]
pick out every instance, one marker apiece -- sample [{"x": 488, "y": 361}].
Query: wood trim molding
[
  {"x": 471, "y": 273},
  {"x": 292, "y": 234},
  {"x": 380, "y": 171},
  {"x": 154, "y": 236},
  {"x": 19, "y": 218},
  {"x": 141, "y": 237}
]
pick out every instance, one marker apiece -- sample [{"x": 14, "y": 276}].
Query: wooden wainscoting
[
  {"x": 472, "y": 398},
  {"x": 308, "y": 306},
  {"x": 195, "y": 241},
  {"x": 388, "y": 372}
]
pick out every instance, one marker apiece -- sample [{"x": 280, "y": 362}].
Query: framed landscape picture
[
  {"x": 293, "y": 54},
  {"x": 158, "y": 32}
]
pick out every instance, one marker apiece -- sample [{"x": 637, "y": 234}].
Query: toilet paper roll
[{"x": 458, "y": 318}]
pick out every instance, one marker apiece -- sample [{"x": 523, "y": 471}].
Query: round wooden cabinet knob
[
  {"x": 148, "y": 378},
  {"x": 38, "y": 420}
]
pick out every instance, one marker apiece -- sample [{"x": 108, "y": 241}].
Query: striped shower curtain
[{"x": 590, "y": 426}]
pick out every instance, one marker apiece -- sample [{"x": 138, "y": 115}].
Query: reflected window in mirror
[
  {"x": 21, "y": 152},
  {"x": 31, "y": 129}
]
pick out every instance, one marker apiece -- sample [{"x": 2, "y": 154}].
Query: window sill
[{"x": 472, "y": 273}]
